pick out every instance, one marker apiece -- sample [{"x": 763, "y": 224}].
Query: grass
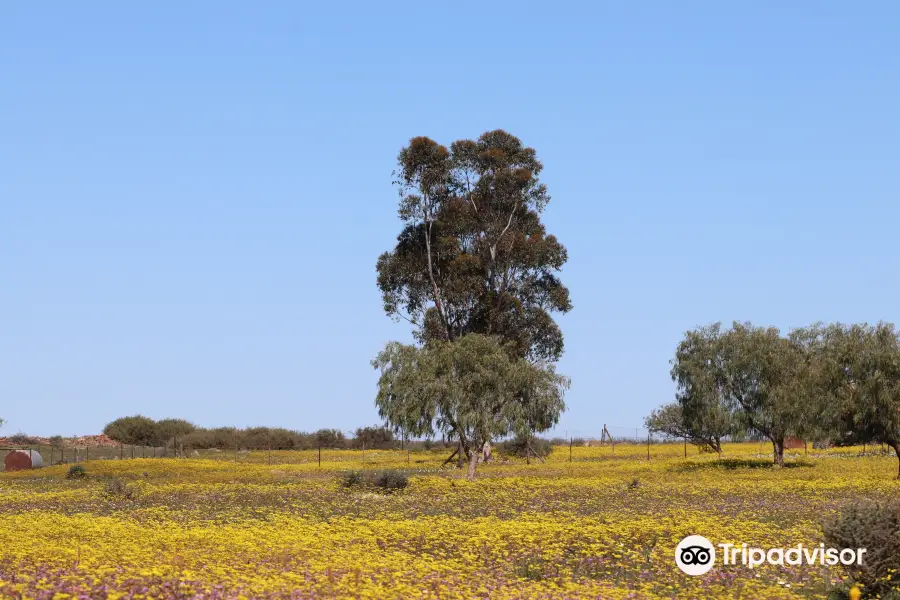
[{"x": 272, "y": 524}]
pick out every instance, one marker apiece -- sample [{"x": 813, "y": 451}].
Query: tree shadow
[{"x": 732, "y": 464}]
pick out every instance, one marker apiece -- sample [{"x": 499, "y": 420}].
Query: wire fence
[
  {"x": 48, "y": 454},
  {"x": 618, "y": 442}
]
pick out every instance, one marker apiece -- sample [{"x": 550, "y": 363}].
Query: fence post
[
  {"x": 407, "y": 455},
  {"x": 648, "y": 445},
  {"x": 87, "y": 453},
  {"x": 121, "y": 450},
  {"x": 51, "y": 456},
  {"x": 570, "y": 450},
  {"x": 320, "y": 456},
  {"x": 685, "y": 447}
]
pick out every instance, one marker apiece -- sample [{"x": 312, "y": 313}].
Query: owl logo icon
[{"x": 695, "y": 555}]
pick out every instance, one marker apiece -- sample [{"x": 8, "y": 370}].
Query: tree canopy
[
  {"x": 471, "y": 387},
  {"x": 827, "y": 382},
  {"x": 862, "y": 378},
  {"x": 473, "y": 255}
]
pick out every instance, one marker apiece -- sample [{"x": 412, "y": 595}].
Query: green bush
[
  {"x": 518, "y": 446},
  {"x": 874, "y": 526},
  {"x": 137, "y": 430},
  {"x": 353, "y": 479},
  {"x": 386, "y": 481},
  {"x": 373, "y": 437},
  {"x": 329, "y": 438},
  {"x": 392, "y": 481},
  {"x": 76, "y": 472}
]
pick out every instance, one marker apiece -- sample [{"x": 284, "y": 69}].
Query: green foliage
[
  {"x": 330, "y": 438},
  {"x": 373, "y": 437},
  {"x": 470, "y": 388},
  {"x": 169, "y": 428},
  {"x": 834, "y": 383},
  {"x": 273, "y": 438},
  {"x": 744, "y": 379},
  {"x": 875, "y": 527},
  {"x": 473, "y": 256},
  {"x": 137, "y": 430},
  {"x": 56, "y": 440},
  {"x": 520, "y": 444},
  {"x": 390, "y": 480},
  {"x": 76, "y": 472},
  {"x": 352, "y": 479},
  {"x": 253, "y": 438},
  {"x": 862, "y": 374},
  {"x": 705, "y": 430}
]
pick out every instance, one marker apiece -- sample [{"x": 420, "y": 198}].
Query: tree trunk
[
  {"x": 778, "y": 447},
  {"x": 473, "y": 463},
  {"x": 460, "y": 456},
  {"x": 896, "y": 447}
]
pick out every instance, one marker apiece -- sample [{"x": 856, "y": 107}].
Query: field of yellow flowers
[{"x": 279, "y": 525}]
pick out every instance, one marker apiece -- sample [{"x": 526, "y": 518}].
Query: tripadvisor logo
[{"x": 696, "y": 555}]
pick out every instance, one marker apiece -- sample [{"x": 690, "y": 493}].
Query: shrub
[
  {"x": 518, "y": 446},
  {"x": 876, "y": 527},
  {"x": 387, "y": 481},
  {"x": 428, "y": 444},
  {"x": 20, "y": 439},
  {"x": 76, "y": 472},
  {"x": 329, "y": 438},
  {"x": 116, "y": 489},
  {"x": 137, "y": 430},
  {"x": 373, "y": 437},
  {"x": 56, "y": 440},
  {"x": 353, "y": 479},
  {"x": 392, "y": 481}
]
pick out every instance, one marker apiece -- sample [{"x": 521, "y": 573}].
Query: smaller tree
[
  {"x": 470, "y": 388},
  {"x": 707, "y": 433},
  {"x": 701, "y": 411}
]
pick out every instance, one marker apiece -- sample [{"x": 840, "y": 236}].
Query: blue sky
[{"x": 193, "y": 195}]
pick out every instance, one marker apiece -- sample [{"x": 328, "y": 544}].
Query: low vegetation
[{"x": 602, "y": 526}]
